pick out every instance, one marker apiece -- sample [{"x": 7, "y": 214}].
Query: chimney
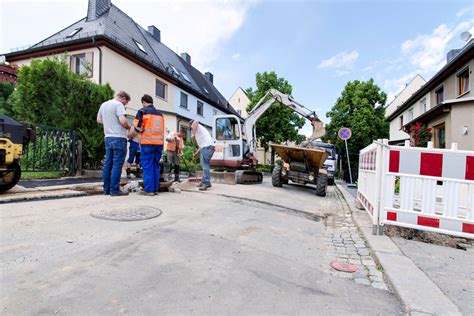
[
  {"x": 96, "y": 8},
  {"x": 209, "y": 77},
  {"x": 451, "y": 54},
  {"x": 154, "y": 32},
  {"x": 186, "y": 57}
]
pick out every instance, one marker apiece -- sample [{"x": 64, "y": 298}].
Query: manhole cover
[
  {"x": 344, "y": 267},
  {"x": 128, "y": 214}
]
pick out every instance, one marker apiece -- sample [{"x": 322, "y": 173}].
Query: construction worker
[
  {"x": 150, "y": 125},
  {"x": 174, "y": 149},
  {"x": 133, "y": 153},
  {"x": 206, "y": 149},
  {"x": 113, "y": 116}
]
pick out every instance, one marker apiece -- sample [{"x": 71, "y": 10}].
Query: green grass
[{"x": 41, "y": 175}]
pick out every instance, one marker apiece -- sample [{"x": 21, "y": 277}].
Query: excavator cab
[{"x": 229, "y": 151}]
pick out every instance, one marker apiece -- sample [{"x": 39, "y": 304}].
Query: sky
[{"x": 318, "y": 46}]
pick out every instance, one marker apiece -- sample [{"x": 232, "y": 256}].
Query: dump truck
[{"x": 301, "y": 165}]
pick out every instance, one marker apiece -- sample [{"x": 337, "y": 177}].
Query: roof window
[
  {"x": 205, "y": 90},
  {"x": 140, "y": 46},
  {"x": 185, "y": 77},
  {"x": 74, "y": 32},
  {"x": 174, "y": 70}
]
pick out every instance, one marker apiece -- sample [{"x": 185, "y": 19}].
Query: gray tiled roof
[{"x": 123, "y": 31}]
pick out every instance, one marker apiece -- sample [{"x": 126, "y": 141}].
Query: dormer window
[
  {"x": 74, "y": 32},
  {"x": 140, "y": 46}
]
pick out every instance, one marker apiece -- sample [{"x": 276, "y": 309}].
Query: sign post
[{"x": 344, "y": 134}]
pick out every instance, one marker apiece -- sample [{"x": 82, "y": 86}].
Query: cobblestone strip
[{"x": 345, "y": 244}]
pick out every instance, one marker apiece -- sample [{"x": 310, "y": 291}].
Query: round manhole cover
[
  {"x": 344, "y": 267},
  {"x": 128, "y": 214}
]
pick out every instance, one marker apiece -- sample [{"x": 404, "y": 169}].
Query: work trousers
[{"x": 150, "y": 159}]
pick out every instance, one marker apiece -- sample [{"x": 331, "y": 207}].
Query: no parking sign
[{"x": 344, "y": 133}]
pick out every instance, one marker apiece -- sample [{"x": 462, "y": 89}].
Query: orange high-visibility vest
[
  {"x": 150, "y": 123},
  {"x": 171, "y": 145}
]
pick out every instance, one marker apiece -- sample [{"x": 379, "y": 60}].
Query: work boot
[
  {"x": 176, "y": 178},
  {"x": 204, "y": 187},
  {"x": 147, "y": 193},
  {"x": 119, "y": 193}
]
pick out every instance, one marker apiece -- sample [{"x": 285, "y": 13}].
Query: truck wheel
[
  {"x": 277, "y": 180},
  {"x": 10, "y": 177},
  {"x": 321, "y": 184}
]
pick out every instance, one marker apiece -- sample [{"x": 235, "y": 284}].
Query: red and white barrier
[{"x": 424, "y": 188}]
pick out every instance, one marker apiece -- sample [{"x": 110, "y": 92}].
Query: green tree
[
  {"x": 48, "y": 93},
  {"x": 279, "y": 123},
  {"x": 6, "y": 89},
  {"x": 360, "y": 108}
]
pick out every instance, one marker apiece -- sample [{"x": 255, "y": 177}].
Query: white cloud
[
  {"x": 425, "y": 55},
  {"x": 236, "y": 56},
  {"x": 342, "y": 63},
  {"x": 199, "y": 28},
  {"x": 464, "y": 11},
  {"x": 427, "y": 52}
]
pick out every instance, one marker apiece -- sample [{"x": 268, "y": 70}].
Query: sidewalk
[{"x": 429, "y": 279}]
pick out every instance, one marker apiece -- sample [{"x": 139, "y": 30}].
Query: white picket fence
[{"x": 424, "y": 188}]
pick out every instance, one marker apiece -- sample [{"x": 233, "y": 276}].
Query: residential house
[
  {"x": 8, "y": 73},
  {"x": 445, "y": 103},
  {"x": 398, "y": 135},
  {"x": 239, "y": 101},
  {"x": 108, "y": 46}
]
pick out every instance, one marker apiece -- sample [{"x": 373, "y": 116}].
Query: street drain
[{"x": 127, "y": 214}]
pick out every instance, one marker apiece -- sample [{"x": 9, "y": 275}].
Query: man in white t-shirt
[
  {"x": 206, "y": 148},
  {"x": 113, "y": 116}
]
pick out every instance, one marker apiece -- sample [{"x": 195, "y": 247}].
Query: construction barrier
[{"x": 424, "y": 188}]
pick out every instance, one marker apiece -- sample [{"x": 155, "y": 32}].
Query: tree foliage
[
  {"x": 279, "y": 123},
  {"x": 6, "y": 89},
  {"x": 360, "y": 108},
  {"x": 48, "y": 93}
]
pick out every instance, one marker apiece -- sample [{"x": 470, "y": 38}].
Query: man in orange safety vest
[{"x": 150, "y": 124}]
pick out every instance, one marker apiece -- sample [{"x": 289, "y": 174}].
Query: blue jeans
[
  {"x": 133, "y": 152},
  {"x": 115, "y": 152},
  {"x": 150, "y": 157},
  {"x": 206, "y": 154}
]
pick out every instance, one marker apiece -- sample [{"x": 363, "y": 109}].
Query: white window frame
[
  {"x": 202, "y": 108},
  {"x": 458, "y": 77},
  {"x": 165, "y": 89},
  {"x": 181, "y": 100}
]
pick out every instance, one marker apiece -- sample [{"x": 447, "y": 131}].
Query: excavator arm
[{"x": 264, "y": 104}]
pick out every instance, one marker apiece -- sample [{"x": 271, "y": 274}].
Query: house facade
[
  {"x": 108, "y": 46},
  {"x": 397, "y": 135},
  {"x": 445, "y": 104}
]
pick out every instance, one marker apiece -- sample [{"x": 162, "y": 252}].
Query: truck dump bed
[{"x": 315, "y": 156}]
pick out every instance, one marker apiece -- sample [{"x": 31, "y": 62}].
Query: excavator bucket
[{"x": 318, "y": 129}]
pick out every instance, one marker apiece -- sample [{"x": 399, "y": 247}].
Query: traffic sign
[{"x": 344, "y": 133}]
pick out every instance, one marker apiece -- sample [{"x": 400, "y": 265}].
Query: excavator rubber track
[{"x": 248, "y": 177}]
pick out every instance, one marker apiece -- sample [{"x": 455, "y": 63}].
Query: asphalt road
[{"x": 208, "y": 253}]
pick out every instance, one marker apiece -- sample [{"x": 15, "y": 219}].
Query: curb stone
[{"x": 415, "y": 289}]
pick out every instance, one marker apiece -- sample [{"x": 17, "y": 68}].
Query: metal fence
[
  {"x": 54, "y": 149},
  {"x": 423, "y": 188}
]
